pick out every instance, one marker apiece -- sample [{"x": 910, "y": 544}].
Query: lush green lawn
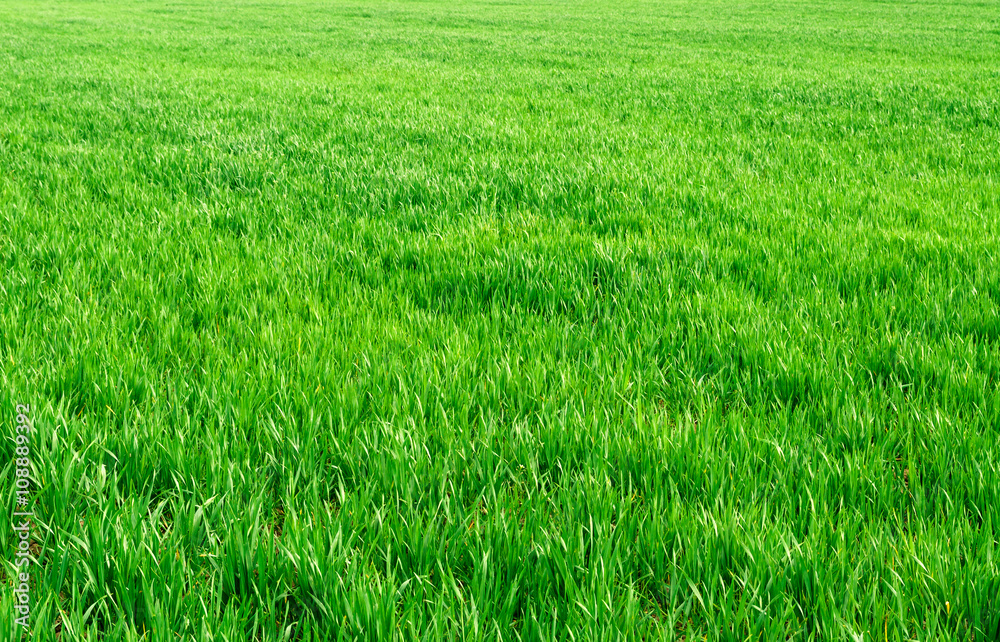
[{"x": 572, "y": 320}]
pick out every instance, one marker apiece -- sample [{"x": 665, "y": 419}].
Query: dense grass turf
[{"x": 484, "y": 321}]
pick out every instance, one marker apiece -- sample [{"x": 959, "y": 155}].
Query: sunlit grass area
[{"x": 497, "y": 321}]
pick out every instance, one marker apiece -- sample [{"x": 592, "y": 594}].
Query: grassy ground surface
[{"x": 483, "y": 321}]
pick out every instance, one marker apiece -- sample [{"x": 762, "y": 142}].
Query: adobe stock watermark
[{"x": 22, "y": 514}]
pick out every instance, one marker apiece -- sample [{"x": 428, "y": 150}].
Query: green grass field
[{"x": 490, "y": 321}]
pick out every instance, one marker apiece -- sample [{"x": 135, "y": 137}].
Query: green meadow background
[{"x": 480, "y": 320}]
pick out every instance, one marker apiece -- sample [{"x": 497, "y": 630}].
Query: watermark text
[{"x": 22, "y": 515}]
